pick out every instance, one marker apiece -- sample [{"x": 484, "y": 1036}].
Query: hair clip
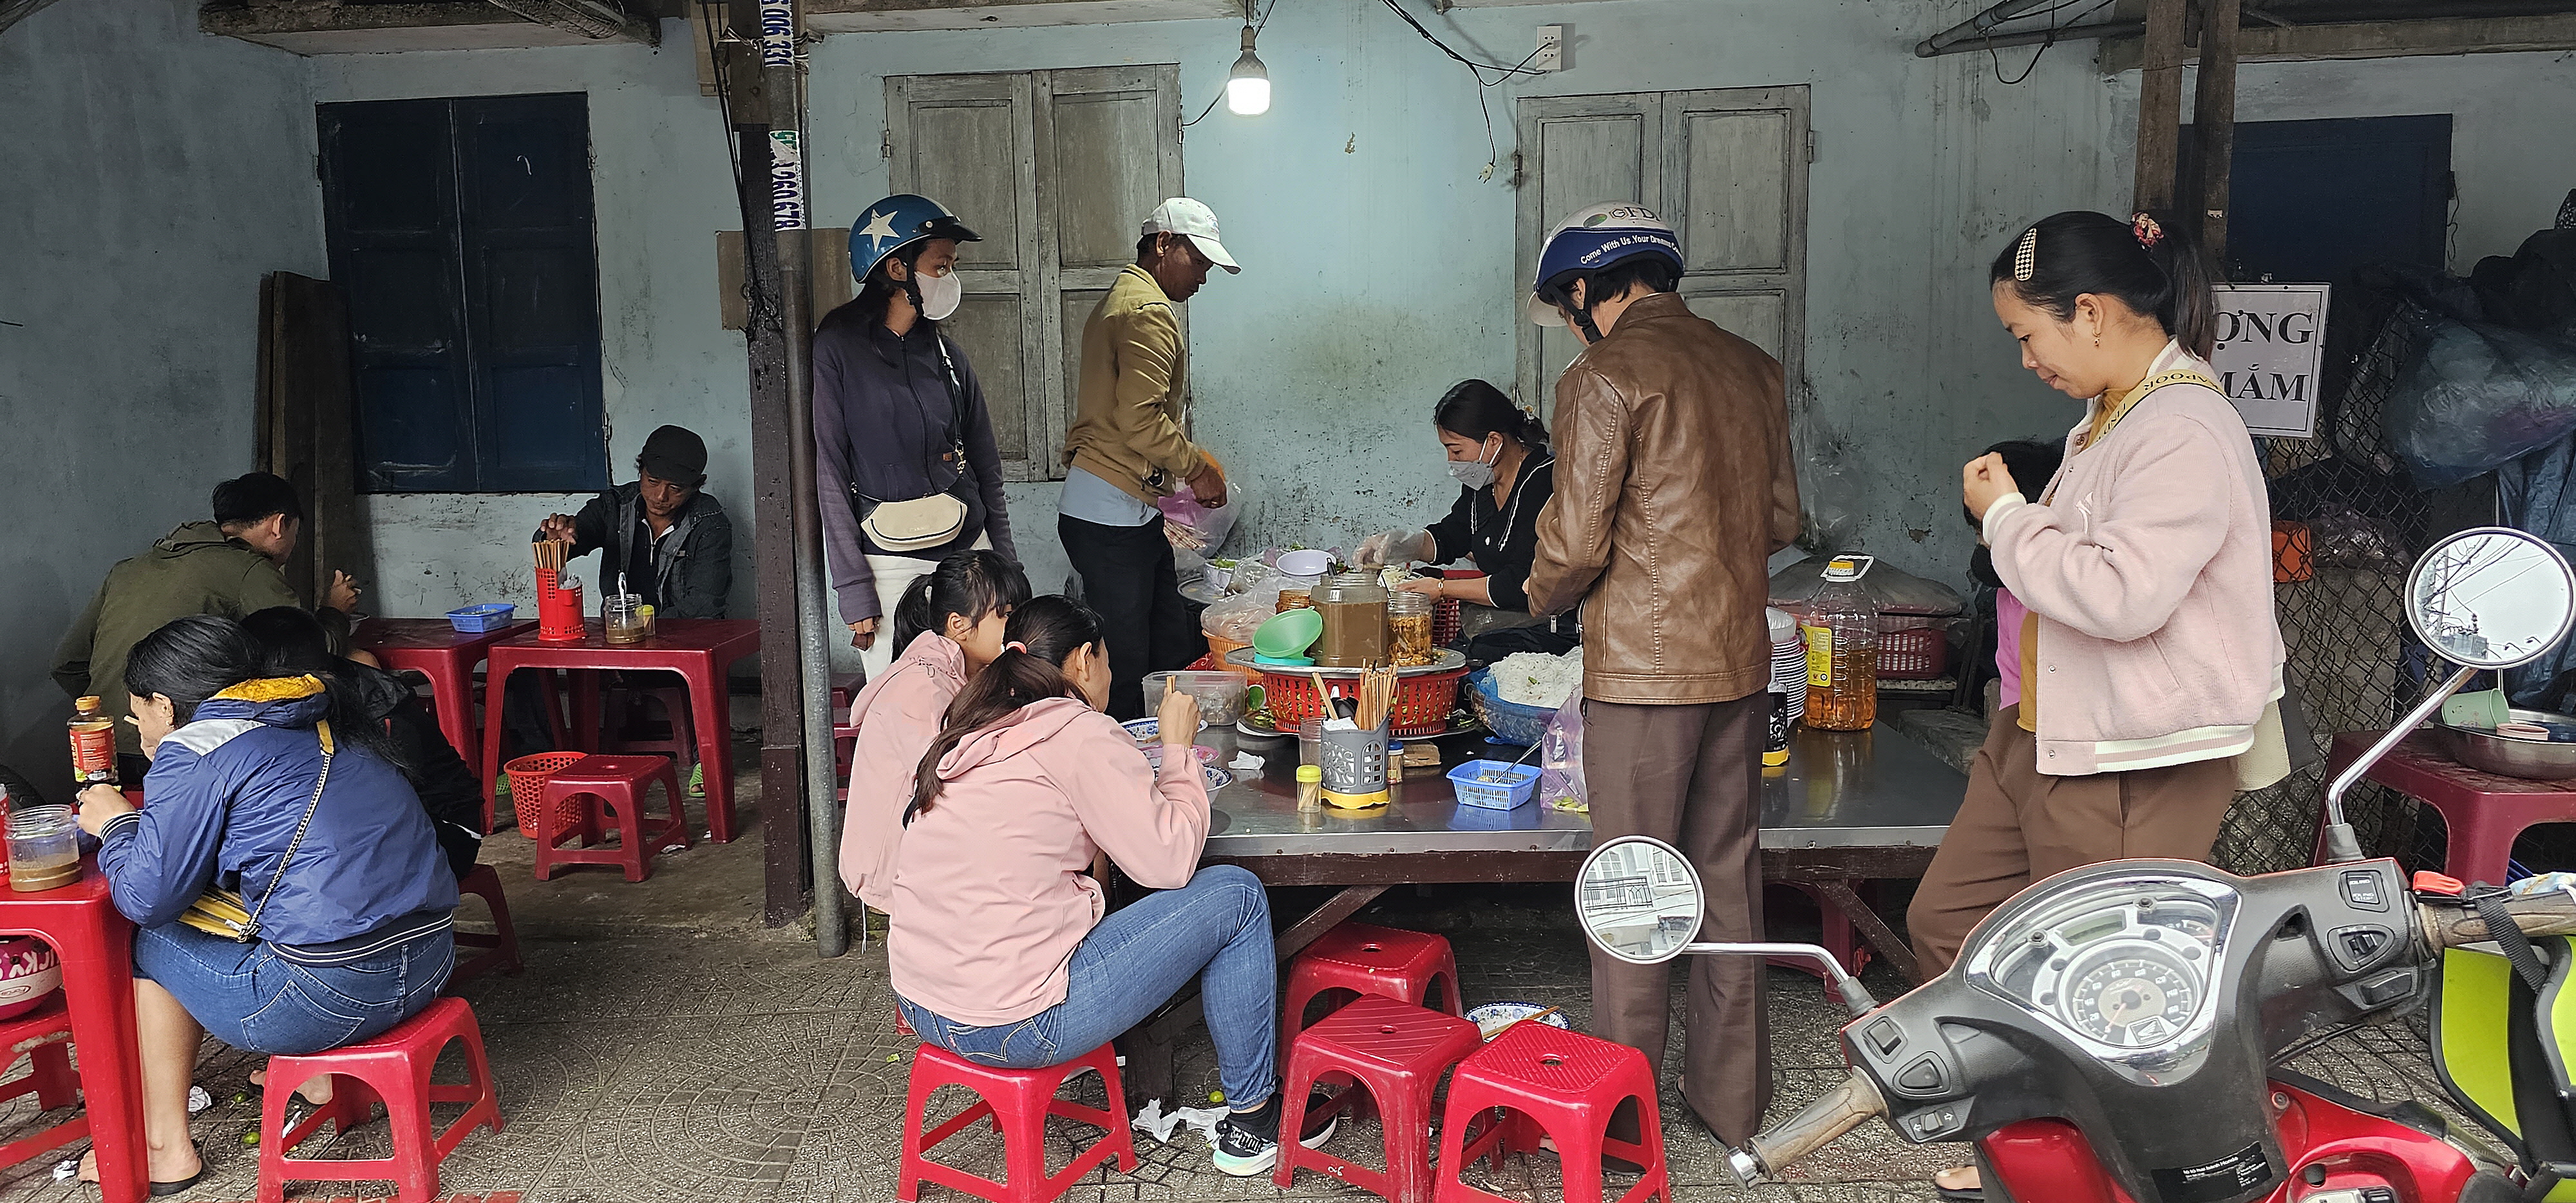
[
  {"x": 2146, "y": 229},
  {"x": 1016, "y": 646},
  {"x": 2026, "y": 256}
]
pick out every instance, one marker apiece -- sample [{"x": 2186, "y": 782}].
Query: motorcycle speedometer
[{"x": 2121, "y": 965}]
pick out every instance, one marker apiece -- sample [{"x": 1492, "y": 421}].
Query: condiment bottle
[
  {"x": 1310, "y": 787},
  {"x": 93, "y": 735},
  {"x": 1841, "y": 629}
]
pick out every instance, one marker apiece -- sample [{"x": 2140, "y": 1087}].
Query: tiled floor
[{"x": 660, "y": 1046}]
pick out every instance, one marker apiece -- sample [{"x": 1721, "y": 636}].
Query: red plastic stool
[
  {"x": 1836, "y": 934},
  {"x": 1018, "y": 1101},
  {"x": 1395, "y": 1051},
  {"x": 1363, "y": 958},
  {"x": 393, "y": 1068},
  {"x": 1566, "y": 1084},
  {"x": 49, "y": 1078},
  {"x": 615, "y": 784},
  {"x": 501, "y": 948},
  {"x": 680, "y": 742}
]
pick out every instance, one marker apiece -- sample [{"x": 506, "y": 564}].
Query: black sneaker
[{"x": 1251, "y": 1147}]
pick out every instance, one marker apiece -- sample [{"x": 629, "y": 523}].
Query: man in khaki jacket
[
  {"x": 1126, "y": 450},
  {"x": 1673, "y": 487}
]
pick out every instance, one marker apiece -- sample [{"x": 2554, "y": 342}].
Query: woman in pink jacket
[
  {"x": 1001, "y": 948},
  {"x": 949, "y": 625},
  {"x": 2150, "y": 655}
]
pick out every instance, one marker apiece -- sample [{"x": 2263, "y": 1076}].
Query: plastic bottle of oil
[
  {"x": 1841, "y": 629},
  {"x": 93, "y": 736}
]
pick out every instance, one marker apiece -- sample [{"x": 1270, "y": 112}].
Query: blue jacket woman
[{"x": 260, "y": 786}]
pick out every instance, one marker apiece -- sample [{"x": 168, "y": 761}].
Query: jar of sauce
[{"x": 1354, "y": 608}]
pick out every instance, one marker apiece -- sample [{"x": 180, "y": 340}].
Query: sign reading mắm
[{"x": 2271, "y": 342}]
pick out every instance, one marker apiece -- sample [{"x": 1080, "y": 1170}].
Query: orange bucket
[{"x": 528, "y": 777}]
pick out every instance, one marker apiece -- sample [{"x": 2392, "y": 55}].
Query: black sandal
[{"x": 163, "y": 1190}]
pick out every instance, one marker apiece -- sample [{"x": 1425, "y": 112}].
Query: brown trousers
[
  {"x": 1692, "y": 777},
  {"x": 2019, "y": 825}
]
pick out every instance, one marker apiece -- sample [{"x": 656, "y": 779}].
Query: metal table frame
[{"x": 1849, "y": 807}]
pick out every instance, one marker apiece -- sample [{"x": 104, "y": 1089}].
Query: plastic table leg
[
  {"x": 715, "y": 746},
  {"x": 99, "y": 986}
]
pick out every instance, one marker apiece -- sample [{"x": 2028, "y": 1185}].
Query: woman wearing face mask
[
  {"x": 1498, "y": 454},
  {"x": 903, "y": 442}
]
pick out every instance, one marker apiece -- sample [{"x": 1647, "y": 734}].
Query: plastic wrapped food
[{"x": 1537, "y": 679}]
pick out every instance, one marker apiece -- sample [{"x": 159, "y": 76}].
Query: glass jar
[
  {"x": 1408, "y": 629},
  {"x": 1354, "y": 607},
  {"x": 624, "y": 617},
  {"x": 44, "y": 851}
]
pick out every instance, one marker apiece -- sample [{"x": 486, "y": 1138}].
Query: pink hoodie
[
  {"x": 989, "y": 891},
  {"x": 898, "y": 715}
]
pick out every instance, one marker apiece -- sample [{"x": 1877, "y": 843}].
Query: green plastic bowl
[{"x": 1288, "y": 635}]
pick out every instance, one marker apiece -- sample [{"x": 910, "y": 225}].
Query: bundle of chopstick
[
  {"x": 550, "y": 554},
  {"x": 1376, "y": 695}
]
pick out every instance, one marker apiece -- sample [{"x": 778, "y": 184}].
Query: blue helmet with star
[{"x": 897, "y": 222}]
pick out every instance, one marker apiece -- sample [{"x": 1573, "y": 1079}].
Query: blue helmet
[
  {"x": 1592, "y": 240},
  {"x": 897, "y": 222}
]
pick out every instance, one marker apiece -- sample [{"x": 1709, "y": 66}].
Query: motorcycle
[{"x": 2113, "y": 1033}]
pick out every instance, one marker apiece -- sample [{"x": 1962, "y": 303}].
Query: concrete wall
[{"x": 152, "y": 176}]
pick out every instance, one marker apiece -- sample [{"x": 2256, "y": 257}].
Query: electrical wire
[
  {"x": 2053, "y": 29},
  {"x": 1472, "y": 65}
]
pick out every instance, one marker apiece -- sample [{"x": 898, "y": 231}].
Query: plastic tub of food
[{"x": 1220, "y": 694}]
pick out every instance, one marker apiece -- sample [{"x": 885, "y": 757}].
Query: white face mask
[
  {"x": 941, "y": 295},
  {"x": 1479, "y": 473}
]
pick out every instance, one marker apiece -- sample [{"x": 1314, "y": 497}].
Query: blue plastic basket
[
  {"x": 1511, "y": 722},
  {"x": 477, "y": 620},
  {"x": 1493, "y": 795}
]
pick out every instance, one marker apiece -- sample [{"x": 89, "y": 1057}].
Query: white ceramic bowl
[
  {"x": 1308, "y": 562},
  {"x": 1150, "y": 730}
]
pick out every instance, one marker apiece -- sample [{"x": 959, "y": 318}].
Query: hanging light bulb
[{"x": 1247, "y": 87}]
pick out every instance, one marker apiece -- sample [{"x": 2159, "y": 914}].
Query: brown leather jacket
[{"x": 1673, "y": 487}]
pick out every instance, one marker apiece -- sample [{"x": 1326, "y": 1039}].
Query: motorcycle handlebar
[
  {"x": 1820, "y": 1123},
  {"x": 2552, "y": 914}
]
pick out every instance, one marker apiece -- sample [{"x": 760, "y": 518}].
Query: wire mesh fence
[{"x": 2352, "y": 660}]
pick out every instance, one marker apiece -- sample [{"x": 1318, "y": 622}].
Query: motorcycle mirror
[
  {"x": 1639, "y": 900},
  {"x": 2486, "y": 598},
  {"x": 2491, "y": 598}
]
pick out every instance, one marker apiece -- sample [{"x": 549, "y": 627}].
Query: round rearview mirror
[
  {"x": 1638, "y": 899},
  {"x": 2491, "y": 597}
]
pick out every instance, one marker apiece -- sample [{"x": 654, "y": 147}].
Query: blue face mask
[{"x": 1476, "y": 474}]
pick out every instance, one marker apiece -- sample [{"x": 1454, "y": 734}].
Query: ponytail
[
  {"x": 969, "y": 584},
  {"x": 1475, "y": 409},
  {"x": 1042, "y": 634},
  {"x": 2151, "y": 263}
]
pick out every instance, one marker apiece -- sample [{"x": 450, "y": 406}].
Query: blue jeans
[
  {"x": 1217, "y": 929},
  {"x": 251, "y": 998}
]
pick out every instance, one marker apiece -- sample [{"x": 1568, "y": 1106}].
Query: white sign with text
[{"x": 2271, "y": 343}]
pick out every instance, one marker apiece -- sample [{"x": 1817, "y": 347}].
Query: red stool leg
[
  {"x": 1023, "y": 1123},
  {"x": 51, "y": 1068},
  {"x": 908, "y": 1176},
  {"x": 1407, "y": 1127},
  {"x": 415, "y": 1158},
  {"x": 1293, "y": 1088},
  {"x": 2481, "y": 842},
  {"x": 625, "y": 807},
  {"x": 678, "y": 832},
  {"x": 1122, "y": 1133}
]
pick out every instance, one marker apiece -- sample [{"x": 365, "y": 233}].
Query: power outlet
[{"x": 1551, "y": 49}]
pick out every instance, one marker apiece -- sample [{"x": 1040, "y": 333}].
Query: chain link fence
[{"x": 2353, "y": 661}]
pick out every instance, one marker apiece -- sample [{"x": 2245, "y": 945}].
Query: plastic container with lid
[
  {"x": 1841, "y": 631},
  {"x": 1408, "y": 629},
  {"x": 44, "y": 848},
  {"x": 1354, "y": 609},
  {"x": 1310, "y": 787}
]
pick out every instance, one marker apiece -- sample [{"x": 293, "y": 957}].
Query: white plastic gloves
[{"x": 1396, "y": 547}]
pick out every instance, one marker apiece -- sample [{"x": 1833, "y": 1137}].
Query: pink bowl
[{"x": 29, "y": 974}]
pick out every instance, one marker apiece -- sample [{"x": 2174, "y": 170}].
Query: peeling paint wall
[
  {"x": 1380, "y": 266},
  {"x": 151, "y": 176}
]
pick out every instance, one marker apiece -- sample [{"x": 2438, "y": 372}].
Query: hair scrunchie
[
  {"x": 1016, "y": 646},
  {"x": 2147, "y": 231}
]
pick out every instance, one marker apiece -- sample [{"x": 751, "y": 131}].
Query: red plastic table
[
  {"x": 434, "y": 648},
  {"x": 699, "y": 649},
  {"x": 96, "y": 946},
  {"x": 2482, "y": 812}
]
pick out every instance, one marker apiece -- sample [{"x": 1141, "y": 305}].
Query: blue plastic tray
[
  {"x": 1493, "y": 795},
  {"x": 483, "y": 619}
]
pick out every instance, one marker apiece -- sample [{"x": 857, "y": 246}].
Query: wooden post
[
  {"x": 2160, "y": 106},
  {"x": 2213, "y": 124},
  {"x": 784, "y": 851}
]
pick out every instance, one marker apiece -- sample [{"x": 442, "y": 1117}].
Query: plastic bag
[
  {"x": 2477, "y": 397},
  {"x": 1560, "y": 758},
  {"x": 1895, "y": 590},
  {"x": 1237, "y": 617},
  {"x": 1194, "y": 527}
]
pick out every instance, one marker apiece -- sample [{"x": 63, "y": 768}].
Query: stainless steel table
[{"x": 1848, "y": 807}]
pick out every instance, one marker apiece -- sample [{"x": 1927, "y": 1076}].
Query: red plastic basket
[
  {"x": 1422, "y": 703},
  {"x": 528, "y": 777},
  {"x": 1913, "y": 648}
]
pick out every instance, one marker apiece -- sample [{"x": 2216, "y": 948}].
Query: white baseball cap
[{"x": 1181, "y": 215}]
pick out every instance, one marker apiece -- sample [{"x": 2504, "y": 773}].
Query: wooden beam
[
  {"x": 2160, "y": 107},
  {"x": 872, "y": 16},
  {"x": 597, "y": 20},
  {"x": 2377, "y": 39},
  {"x": 2213, "y": 125}
]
